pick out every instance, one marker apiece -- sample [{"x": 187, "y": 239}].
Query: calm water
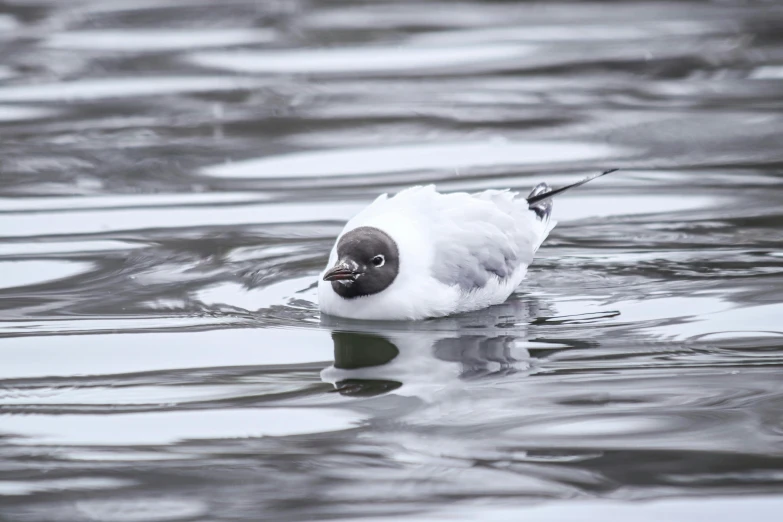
[{"x": 172, "y": 176}]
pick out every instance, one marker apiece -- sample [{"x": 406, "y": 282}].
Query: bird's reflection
[
  {"x": 425, "y": 358},
  {"x": 354, "y": 351}
]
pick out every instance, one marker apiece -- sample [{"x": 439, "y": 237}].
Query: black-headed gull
[{"x": 422, "y": 254}]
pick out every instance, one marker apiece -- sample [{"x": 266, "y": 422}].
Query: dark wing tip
[
  {"x": 535, "y": 199},
  {"x": 543, "y": 208}
]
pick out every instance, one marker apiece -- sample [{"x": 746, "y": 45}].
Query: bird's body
[{"x": 422, "y": 254}]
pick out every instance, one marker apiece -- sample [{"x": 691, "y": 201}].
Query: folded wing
[{"x": 481, "y": 236}]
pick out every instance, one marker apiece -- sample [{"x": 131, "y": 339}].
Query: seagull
[{"x": 422, "y": 254}]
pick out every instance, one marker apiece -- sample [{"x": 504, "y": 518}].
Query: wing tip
[
  {"x": 534, "y": 199},
  {"x": 543, "y": 208}
]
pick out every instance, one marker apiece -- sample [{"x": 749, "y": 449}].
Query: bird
[{"x": 422, "y": 254}]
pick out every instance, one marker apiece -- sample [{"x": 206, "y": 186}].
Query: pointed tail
[{"x": 538, "y": 199}]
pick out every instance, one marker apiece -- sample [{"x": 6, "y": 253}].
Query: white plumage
[{"x": 457, "y": 252}]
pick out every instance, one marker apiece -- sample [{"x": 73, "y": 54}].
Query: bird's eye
[{"x": 378, "y": 260}]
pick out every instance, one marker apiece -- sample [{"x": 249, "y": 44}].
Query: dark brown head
[{"x": 367, "y": 263}]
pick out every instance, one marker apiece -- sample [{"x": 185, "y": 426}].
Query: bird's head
[{"x": 368, "y": 261}]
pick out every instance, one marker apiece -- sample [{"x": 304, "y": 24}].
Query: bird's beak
[{"x": 342, "y": 271}]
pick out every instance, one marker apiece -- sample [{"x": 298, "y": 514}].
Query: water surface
[{"x": 173, "y": 175}]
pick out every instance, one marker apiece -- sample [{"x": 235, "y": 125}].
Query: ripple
[
  {"x": 13, "y": 113},
  {"x": 7, "y": 23},
  {"x": 644, "y": 30},
  {"x": 69, "y": 355},
  {"x": 171, "y": 427},
  {"x": 703, "y": 430},
  {"x": 347, "y": 60},
  {"x": 764, "y": 509},
  {"x": 588, "y": 318},
  {"x": 65, "y": 247},
  {"x": 78, "y": 396},
  {"x": 600, "y": 427},
  {"x": 411, "y": 157},
  {"x": 767, "y": 72},
  {"x": 275, "y": 294},
  {"x": 132, "y": 6},
  {"x": 40, "y": 204},
  {"x": 152, "y": 40},
  {"x": 578, "y": 206},
  {"x": 29, "y": 487},
  {"x": 85, "y": 90},
  {"x": 144, "y": 509},
  {"x": 742, "y": 336},
  {"x": 40, "y": 327},
  {"x": 171, "y": 217},
  {"x": 729, "y": 319},
  {"x": 18, "y": 274},
  {"x": 427, "y": 15}
]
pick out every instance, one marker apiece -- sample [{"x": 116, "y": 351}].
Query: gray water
[{"x": 173, "y": 174}]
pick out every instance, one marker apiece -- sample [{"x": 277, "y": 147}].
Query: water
[{"x": 174, "y": 173}]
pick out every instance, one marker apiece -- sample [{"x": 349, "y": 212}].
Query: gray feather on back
[{"x": 481, "y": 236}]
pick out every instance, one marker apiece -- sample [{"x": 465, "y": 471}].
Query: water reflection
[
  {"x": 425, "y": 359},
  {"x": 353, "y": 352},
  {"x": 418, "y": 364}
]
